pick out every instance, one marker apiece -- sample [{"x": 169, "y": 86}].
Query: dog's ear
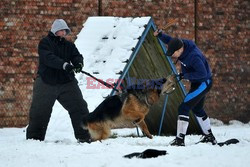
[
  {"x": 158, "y": 83},
  {"x": 163, "y": 80}
]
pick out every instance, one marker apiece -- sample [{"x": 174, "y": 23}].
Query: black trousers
[
  {"x": 44, "y": 96},
  {"x": 195, "y": 99}
]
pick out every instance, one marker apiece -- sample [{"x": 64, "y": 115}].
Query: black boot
[
  {"x": 84, "y": 137},
  {"x": 87, "y": 140},
  {"x": 177, "y": 142},
  {"x": 208, "y": 139}
]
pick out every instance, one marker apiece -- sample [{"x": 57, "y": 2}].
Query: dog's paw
[{"x": 149, "y": 136}]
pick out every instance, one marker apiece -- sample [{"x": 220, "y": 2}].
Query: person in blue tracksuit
[{"x": 195, "y": 68}]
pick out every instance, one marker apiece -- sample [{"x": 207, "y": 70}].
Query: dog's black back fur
[{"x": 110, "y": 108}]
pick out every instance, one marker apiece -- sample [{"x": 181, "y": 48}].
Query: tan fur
[{"x": 99, "y": 130}]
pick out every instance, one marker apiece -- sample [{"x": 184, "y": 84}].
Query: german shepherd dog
[{"x": 127, "y": 109}]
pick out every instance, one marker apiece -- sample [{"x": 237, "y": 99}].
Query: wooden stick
[{"x": 170, "y": 23}]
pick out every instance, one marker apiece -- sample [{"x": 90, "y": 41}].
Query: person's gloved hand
[
  {"x": 78, "y": 67},
  {"x": 68, "y": 67},
  {"x": 157, "y": 32},
  {"x": 180, "y": 75}
]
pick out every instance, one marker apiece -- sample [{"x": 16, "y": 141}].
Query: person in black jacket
[{"x": 58, "y": 60}]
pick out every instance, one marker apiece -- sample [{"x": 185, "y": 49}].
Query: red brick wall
[{"x": 222, "y": 33}]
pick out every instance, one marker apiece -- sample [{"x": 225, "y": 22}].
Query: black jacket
[{"x": 53, "y": 53}]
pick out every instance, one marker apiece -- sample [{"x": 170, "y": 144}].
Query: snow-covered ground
[
  {"x": 15, "y": 151},
  {"x": 105, "y": 43}
]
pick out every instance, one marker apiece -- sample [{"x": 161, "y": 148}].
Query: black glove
[
  {"x": 149, "y": 153},
  {"x": 180, "y": 75},
  {"x": 159, "y": 31},
  {"x": 69, "y": 68},
  {"x": 78, "y": 67}
]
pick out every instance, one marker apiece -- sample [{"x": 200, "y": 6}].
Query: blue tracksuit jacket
[{"x": 194, "y": 65}]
